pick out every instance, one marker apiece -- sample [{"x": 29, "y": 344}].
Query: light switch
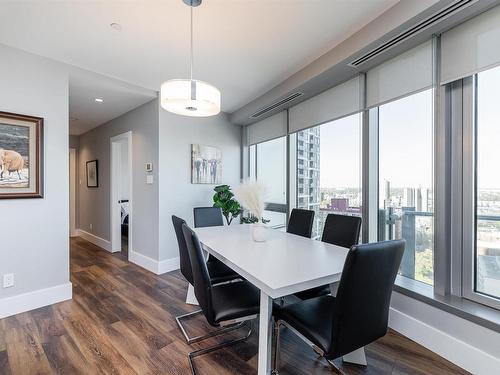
[{"x": 149, "y": 179}]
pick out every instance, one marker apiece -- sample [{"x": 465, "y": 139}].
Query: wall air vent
[
  {"x": 437, "y": 17},
  {"x": 279, "y": 103}
]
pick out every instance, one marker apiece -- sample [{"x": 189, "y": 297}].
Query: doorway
[
  {"x": 121, "y": 194},
  {"x": 72, "y": 192}
]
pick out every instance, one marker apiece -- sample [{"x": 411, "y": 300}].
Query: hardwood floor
[{"x": 122, "y": 321}]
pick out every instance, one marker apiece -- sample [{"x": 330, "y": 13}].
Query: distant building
[{"x": 308, "y": 157}]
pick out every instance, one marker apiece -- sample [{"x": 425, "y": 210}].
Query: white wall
[
  {"x": 177, "y": 195},
  {"x": 34, "y": 232},
  {"x": 470, "y": 346}
]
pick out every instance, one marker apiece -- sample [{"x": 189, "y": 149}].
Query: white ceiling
[
  {"x": 118, "y": 98},
  {"x": 244, "y": 47}
]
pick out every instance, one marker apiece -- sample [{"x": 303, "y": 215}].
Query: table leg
[
  {"x": 357, "y": 357},
  {"x": 265, "y": 333}
]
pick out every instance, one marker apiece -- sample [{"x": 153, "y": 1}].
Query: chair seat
[
  {"x": 311, "y": 318},
  {"x": 235, "y": 300},
  {"x": 314, "y": 292},
  {"x": 219, "y": 272}
]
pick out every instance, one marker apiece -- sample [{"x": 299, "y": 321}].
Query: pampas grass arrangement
[{"x": 251, "y": 195}]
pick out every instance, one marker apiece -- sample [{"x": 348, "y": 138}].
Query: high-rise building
[
  {"x": 308, "y": 157},
  {"x": 409, "y": 197}
]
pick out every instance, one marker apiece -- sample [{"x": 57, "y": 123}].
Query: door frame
[
  {"x": 72, "y": 191},
  {"x": 115, "y": 170}
]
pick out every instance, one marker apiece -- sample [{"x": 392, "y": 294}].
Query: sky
[{"x": 488, "y": 129}]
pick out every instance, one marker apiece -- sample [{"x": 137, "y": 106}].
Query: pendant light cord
[{"x": 191, "y": 59}]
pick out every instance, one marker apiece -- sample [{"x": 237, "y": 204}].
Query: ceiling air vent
[
  {"x": 439, "y": 16},
  {"x": 279, "y": 103}
]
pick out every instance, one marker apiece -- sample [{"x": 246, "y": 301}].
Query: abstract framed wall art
[
  {"x": 206, "y": 164},
  {"x": 21, "y": 156},
  {"x": 92, "y": 174}
]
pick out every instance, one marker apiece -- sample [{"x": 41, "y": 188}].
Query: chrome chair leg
[
  {"x": 211, "y": 349},
  {"x": 276, "y": 365},
  {"x": 334, "y": 367},
  {"x": 191, "y": 340}
]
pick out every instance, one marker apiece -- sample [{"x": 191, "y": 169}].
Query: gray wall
[
  {"x": 34, "y": 232},
  {"x": 94, "y": 203},
  {"x": 74, "y": 141},
  {"x": 177, "y": 195}
]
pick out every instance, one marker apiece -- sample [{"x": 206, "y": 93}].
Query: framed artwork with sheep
[{"x": 21, "y": 150}]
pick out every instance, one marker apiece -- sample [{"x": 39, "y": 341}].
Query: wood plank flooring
[{"x": 122, "y": 321}]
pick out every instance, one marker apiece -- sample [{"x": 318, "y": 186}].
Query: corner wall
[
  {"x": 94, "y": 203},
  {"x": 34, "y": 243},
  {"x": 177, "y": 195}
]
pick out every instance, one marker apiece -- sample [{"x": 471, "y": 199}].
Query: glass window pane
[
  {"x": 487, "y": 278},
  {"x": 271, "y": 171},
  {"x": 329, "y": 169},
  {"x": 406, "y": 198}
]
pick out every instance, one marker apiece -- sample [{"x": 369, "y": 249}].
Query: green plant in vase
[{"x": 224, "y": 199}]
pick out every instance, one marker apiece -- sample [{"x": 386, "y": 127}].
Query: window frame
[
  {"x": 469, "y": 195},
  {"x": 373, "y": 182}
]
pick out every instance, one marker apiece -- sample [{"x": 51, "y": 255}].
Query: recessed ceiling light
[
  {"x": 99, "y": 100},
  {"x": 116, "y": 26}
]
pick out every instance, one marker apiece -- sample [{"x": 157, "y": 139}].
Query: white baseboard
[
  {"x": 98, "y": 241},
  {"x": 34, "y": 300},
  {"x": 454, "y": 350},
  {"x": 152, "y": 265},
  {"x": 169, "y": 265}
]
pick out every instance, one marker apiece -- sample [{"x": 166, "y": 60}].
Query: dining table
[{"x": 280, "y": 266}]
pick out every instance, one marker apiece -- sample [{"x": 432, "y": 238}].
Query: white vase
[{"x": 259, "y": 233}]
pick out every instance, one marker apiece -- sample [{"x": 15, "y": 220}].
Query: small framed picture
[
  {"x": 92, "y": 174},
  {"x": 21, "y": 156}
]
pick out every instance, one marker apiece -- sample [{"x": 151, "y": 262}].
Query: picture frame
[
  {"x": 21, "y": 156},
  {"x": 92, "y": 170},
  {"x": 206, "y": 164}
]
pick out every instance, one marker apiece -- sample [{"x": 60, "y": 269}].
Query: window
[
  {"x": 268, "y": 165},
  {"x": 406, "y": 203},
  {"x": 487, "y": 190},
  {"x": 329, "y": 172}
]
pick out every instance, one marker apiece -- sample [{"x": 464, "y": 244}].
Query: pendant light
[{"x": 190, "y": 97}]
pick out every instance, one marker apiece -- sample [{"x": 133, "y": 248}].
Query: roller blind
[
  {"x": 471, "y": 47},
  {"x": 405, "y": 74},
  {"x": 267, "y": 129},
  {"x": 339, "y": 101}
]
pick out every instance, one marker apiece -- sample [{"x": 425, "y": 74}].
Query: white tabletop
[{"x": 282, "y": 265}]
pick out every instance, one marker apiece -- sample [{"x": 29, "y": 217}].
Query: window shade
[
  {"x": 405, "y": 74},
  {"x": 339, "y": 101},
  {"x": 471, "y": 47},
  {"x": 267, "y": 129}
]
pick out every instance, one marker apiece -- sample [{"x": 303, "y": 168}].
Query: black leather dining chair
[
  {"x": 301, "y": 222},
  {"x": 207, "y": 217},
  {"x": 218, "y": 271},
  {"x": 340, "y": 230},
  {"x": 358, "y": 315},
  {"x": 223, "y": 305}
]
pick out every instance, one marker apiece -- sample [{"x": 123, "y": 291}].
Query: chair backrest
[
  {"x": 185, "y": 263},
  {"x": 202, "y": 283},
  {"x": 301, "y": 222},
  {"x": 207, "y": 217},
  {"x": 341, "y": 230},
  {"x": 364, "y": 295}
]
